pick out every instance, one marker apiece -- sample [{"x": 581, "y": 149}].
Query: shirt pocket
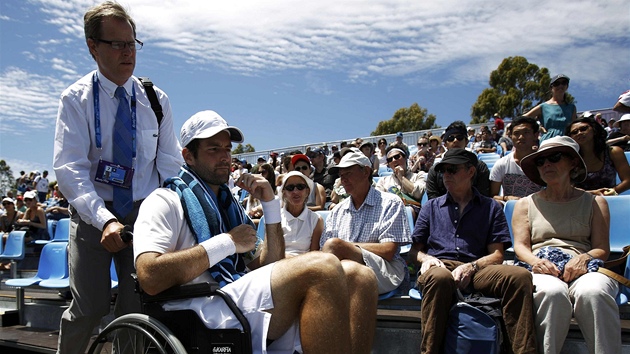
[{"x": 147, "y": 143}]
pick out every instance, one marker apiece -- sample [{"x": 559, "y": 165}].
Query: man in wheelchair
[{"x": 194, "y": 231}]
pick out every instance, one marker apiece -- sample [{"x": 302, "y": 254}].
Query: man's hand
[
  {"x": 430, "y": 261},
  {"x": 463, "y": 274},
  {"x": 400, "y": 172},
  {"x": 244, "y": 238},
  {"x": 111, "y": 239},
  {"x": 257, "y": 186}
]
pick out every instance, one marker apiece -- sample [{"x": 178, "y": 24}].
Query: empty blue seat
[
  {"x": 53, "y": 265},
  {"x": 488, "y": 156},
  {"x": 14, "y": 249},
  {"x": 61, "y": 234},
  {"x": 619, "y": 207}
]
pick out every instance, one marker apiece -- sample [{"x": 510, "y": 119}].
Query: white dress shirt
[{"x": 76, "y": 157}]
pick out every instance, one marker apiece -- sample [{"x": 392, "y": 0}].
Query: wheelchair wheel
[{"x": 136, "y": 333}]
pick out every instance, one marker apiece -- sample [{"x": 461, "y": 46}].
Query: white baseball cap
[
  {"x": 625, "y": 117},
  {"x": 206, "y": 124},
  {"x": 350, "y": 159}
]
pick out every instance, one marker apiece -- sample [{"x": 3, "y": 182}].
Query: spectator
[
  {"x": 333, "y": 150},
  {"x": 611, "y": 126},
  {"x": 472, "y": 261},
  {"x": 368, "y": 227},
  {"x": 603, "y": 162},
  {"x": 498, "y": 126},
  {"x": 505, "y": 141},
  {"x": 507, "y": 172},
  {"x": 40, "y": 184},
  {"x": 399, "y": 142},
  {"x": 623, "y": 103},
  {"x": 317, "y": 198},
  {"x": 407, "y": 185},
  {"x": 575, "y": 224},
  {"x": 59, "y": 207},
  {"x": 381, "y": 155},
  {"x": 253, "y": 206},
  {"x": 273, "y": 160},
  {"x": 7, "y": 224},
  {"x": 101, "y": 206},
  {"x": 261, "y": 160},
  {"x": 33, "y": 221},
  {"x": 471, "y": 134},
  {"x": 481, "y": 181},
  {"x": 621, "y": 138},
  {"x": 367, "y": 148},
  {"x": 302, "y": 227},
  {"x": 437, "y": 149},
  {"x": 423, "y": 159},
  {"x": 487, "y": 145},
  {"x": 555, "y": 114},
  {"x": 19, "y": 204},
  {"x": 21, "y": 183},
  {"x": 285, "y": 301},
  {"x": 321, "y": 174}
]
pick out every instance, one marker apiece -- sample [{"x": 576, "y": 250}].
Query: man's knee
[
  {"x": 521, "y": 278},
  {"x": 335, "y": 246},
  {"x": 316, "y": 265},
  {"x": 359, "y": 275},
  {"x": 437, "y": 279}
]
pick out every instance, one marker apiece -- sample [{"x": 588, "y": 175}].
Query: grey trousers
[{"x": 90, "y": 284}]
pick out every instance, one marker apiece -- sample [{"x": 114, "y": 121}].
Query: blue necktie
[{"x": 123, "y": 197}]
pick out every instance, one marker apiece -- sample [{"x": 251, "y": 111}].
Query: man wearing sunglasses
[
  {"x": 459, "y": 241},
  {"x": 105, "y": 123},
  {"x": 407, "y": 185},
  {"x": 369, "y": 226},
  {"x": 455, "y": 137}
]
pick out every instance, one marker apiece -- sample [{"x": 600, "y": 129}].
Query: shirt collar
[
  {"x": 110, "y": 88},
  {"x": 371, "y": 199},
  {"x": 448, "y": 199},
  {"x": 302, "y": 215}
]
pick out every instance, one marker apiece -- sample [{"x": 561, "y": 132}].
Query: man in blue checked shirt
[{"x": 368, "y": 227}]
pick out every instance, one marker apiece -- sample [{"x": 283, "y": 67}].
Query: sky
[{"x": 294, "y": 73}]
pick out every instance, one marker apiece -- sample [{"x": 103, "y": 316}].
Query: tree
[
  {"x": 242, "y": 149},
  {"x": 6, "y": 177},
  {"x": 516, "y": 86},
  {"x": 405, "y": 120}
]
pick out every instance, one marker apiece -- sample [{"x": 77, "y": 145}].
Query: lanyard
[{"x": 97, "y": 116}]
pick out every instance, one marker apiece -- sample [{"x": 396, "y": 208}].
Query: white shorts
[
  {"x": 389, "y": 275},
  {"x": 252, "y": 294}
]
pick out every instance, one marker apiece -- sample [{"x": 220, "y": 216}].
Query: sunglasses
[
  {"x": 452, "y": 137},
  {"x": 6, "y": 204},
  {"x": 382, "y": 143},
  {"x": 395, "y": 157},
  {"x": 560, "y": 83},
  {"x": 28, "y": 199},
  {"x": 453, "y": 169},
  {"x": 292, "y": 187},
  {"x": 303, "y": 168},
  {"x": 581, "y": 129},
  {"x": 422, "y": 144},
  {"x": 539, "y": 161}
]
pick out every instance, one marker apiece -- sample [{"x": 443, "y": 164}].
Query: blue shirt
[{"x": 465, "y": 239}]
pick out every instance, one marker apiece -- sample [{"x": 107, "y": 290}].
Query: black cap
[
  {"x": 558, "y": 77},
  {"x": 457, "y": 157}
]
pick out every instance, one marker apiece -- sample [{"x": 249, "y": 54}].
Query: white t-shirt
[
  {"x": 298, "y": 231},
  {"x": 41, "y": 183},
  {"x": 512, "y": 177}
]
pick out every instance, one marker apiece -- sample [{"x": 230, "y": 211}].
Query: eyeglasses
[
  {"x": 299, "y": 186},
  {"x": 452, "y": 137},
  {"x": 395, "y": 157},
  {"x": 452, "y": 169},
  {"x": 581, "y": 129},
  {"x": 539, "y": 161},
  {"x": 122, "y": 45},
  {"x": 422, "y": 144},
  {"x": 560, "y": 83},
  {"x": 7, "y": 203},
  {"x": 28, "y": 199},
  {"x": 381, "y": 143},
  {"x": 302, "y": 168}
]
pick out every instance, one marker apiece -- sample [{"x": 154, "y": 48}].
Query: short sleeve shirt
[{"x": 512, "y": 178}]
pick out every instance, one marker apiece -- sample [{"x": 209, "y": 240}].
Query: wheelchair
[{"x": 178, "y": 332}]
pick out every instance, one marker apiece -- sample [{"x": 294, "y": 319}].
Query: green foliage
[
  {"x": 6, "y": 177},
  {"x": 405, "y": 120},
  {"x": 242, "y": 149},
  {"x": 516, "y": 86}
]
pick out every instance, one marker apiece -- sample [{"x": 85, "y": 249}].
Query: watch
[{"x": 474, "y": 265}]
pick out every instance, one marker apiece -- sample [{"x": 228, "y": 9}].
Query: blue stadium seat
[
  {"x": 14, "y": 249},
  {"x": 508, "y": 209},
  {"x": 619, "y": 207},
  {"x": 323, "y": 214},
  {"x": 260, "y": 231},
  {"x": 113, "y": 275},
  {"x": 488, "y": 157},
  {"x": 415, "y": 294},
  {"x": 61, "y": 234},
  {"x": 384, "y": 171},
  {"x": 51, "y": 228},
  {"x": 624, "y": 292},
  {"x": 53, "y": 264}
]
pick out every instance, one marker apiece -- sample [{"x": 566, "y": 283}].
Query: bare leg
[
  {"x": 343, "y": 250},
  {"x": 312, "y": 289},
  {"x": 363, "y": 302}
]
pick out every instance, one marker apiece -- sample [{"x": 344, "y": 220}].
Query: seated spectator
[
  {"x": 317, "y": 198},
  {"x": 407, "y": 185},
  {"x": 621, "y": 138},
  {"x": 574, "y": 224},
  {"x": 487, "y": 144},
  {"x": 58, "y": 209},
  {"x": 623, "y": 103},
  {"x": 369, "y": 226},
  {"x": 472, "y": 261},
  {"x": 455, "y": 138},
  {"x": 33, "y": 221},
  {"x": 253, "y": 206},
  {"x": 507, "y": 172},
  {"x": 321, "y": 174},
  {"x": 399, "y": 142},
  {"x": 367, "y": 148},
  {"x": 381, "y": 146},
  {"x": 603, "y": 162},
  {"x": 471, "y": 134},
  {"x": 302, "y": 227},
  {"x": 505, "y": 141},
  {"x": 290, "y": 303},
  {"x": 436, "y": 147},
  {"x": 423, "y": 159},
  {"x": 7, "y": 224},
  {"x": 19, "y": 204}
]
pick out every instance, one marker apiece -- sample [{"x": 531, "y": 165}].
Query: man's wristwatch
[{"x": 474, "y": 265}]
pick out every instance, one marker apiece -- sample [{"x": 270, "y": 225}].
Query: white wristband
[
  {"x": 218, "y": 247},
  {"x": 271, "y": 211}
]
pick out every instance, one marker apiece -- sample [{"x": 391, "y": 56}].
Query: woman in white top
[{"x": 302, "y": 227}]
